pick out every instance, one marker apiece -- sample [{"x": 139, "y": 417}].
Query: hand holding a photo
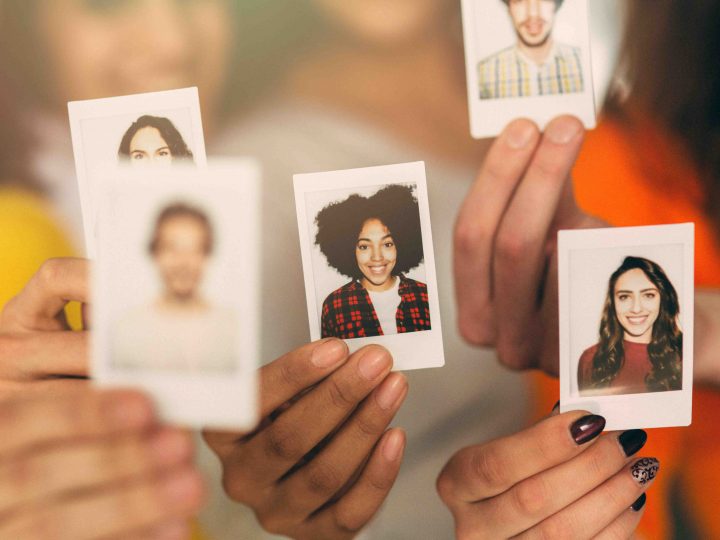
[
  {"x": 557, "y": 479},
  {"x": 322, "y": 460},
  {"x": 505, "y": 242},
  {"x": 90, "y": 465},
  {"x": 38, "y": 350}
]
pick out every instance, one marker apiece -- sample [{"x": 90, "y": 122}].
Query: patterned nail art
[{"x": 644, "y": 470}]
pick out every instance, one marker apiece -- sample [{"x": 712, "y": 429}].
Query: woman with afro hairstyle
[
  {"x": 374, "y": 241},
  {"x": 640, "y": 347}
]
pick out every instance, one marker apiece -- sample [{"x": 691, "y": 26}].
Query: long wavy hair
[{"x": 665, "y": 347}]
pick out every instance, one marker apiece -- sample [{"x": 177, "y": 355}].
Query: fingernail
[
  {"x": 556, "y": 407},
  {"x": 329, "y": 353},
  {"x": 644, "y": 470},
  {"x": 519, "y": 134},
  {"x": 172, "y": 531},
  {"x": 632, "y": 441},
  {"x": 562, "y": 131},
  {"x": 639, "y": 503},
  {"x": 393, "y": 446},
  {"x": 128, "y": 412},
  {"x": 587, "y": 428},
  {"x": 170, "y": 447},
  {"x": 181, "y": 488},
  {"x": 373, "y": 363},
  {"x": 390, "y": 391}
]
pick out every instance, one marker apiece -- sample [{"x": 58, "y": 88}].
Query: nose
[
  {"x": 636, "y": 305},
  {"x": 375, "y": 254}
]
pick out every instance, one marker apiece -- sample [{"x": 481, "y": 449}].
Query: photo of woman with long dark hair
[
  {"x": 640, "y": 346},
  {"x": 374, "y": 241},
  {"x": 153, "y": 140}
]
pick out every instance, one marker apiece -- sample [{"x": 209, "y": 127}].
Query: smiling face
[
  {"x": 376, "y": 255},
  {"x": 637, "y": 305},
  {"x": 533, "y": 20},
  {"x": 147, "y": 147},
  {"x": 181, "y": 254}
]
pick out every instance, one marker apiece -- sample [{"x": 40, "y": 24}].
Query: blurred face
[
  {"x": 533, "y": 20},
  {"x": 376, "y": 255},
  {"x": 386, "y": 23},
  {"x": 181, "y": 256},
  {"x": 101, "y": 48},
  {"x": 148, "y": 147},
  {"x": 637, "y": 305}
]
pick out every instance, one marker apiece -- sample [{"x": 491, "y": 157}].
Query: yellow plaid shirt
[{"x": 509, "y": 74}]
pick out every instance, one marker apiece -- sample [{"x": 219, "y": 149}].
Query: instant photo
[
  {"x": 176, "y": 291},
  {"x": 626, "y": 324},
  {"x": 527, "y": 58},
  {"x": 368, "y": 260},
  {"x": 139, "y": 132}
]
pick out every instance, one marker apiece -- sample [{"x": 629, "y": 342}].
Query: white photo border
[
  {"x": 630, "y": 411},
  {"x": 489, "y": 117},
  {"x": 412, "y": 350},
  {"x": 126, "y": 105},
  {"x": 219, "y": 401}
]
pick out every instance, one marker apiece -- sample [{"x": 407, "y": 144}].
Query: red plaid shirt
[{"x": 348, "y": 312}]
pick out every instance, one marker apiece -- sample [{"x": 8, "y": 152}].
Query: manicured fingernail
[
  {"x": 562, "y": 131},
  {"x": 390, "y": 391},
  {"x": 519, "y": 134},
  {"x": 587, "y": 428},
  {"x": 639, "y": 503},
  {"x": 632, "y": 441},
  {"x": 182, "y": 487},
  {"x": 170, "y": 447},
  {"x": 172, "y": 531},
  {"x": 393, "y": 446},
  {"x": 329, "y": 353},
  {"x": 556, "y": 407},
  {"x": 373, "y": 363},
  {"x": 128, "y": 411},
  {"x": 644, "y": 470}
]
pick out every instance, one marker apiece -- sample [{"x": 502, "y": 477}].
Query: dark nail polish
[
  {"x": 644, "y": 470},
  {"x": 587, "y": 428},
  {"x": 639, "y": 503},
  {"x": 632, "y": 441}
]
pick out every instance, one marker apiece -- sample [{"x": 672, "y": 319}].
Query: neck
[
  {"x": 370, "y": 286},
  {"x": 644, "y": 338},
  {"x": 538, "y": 54},
  {"x": 177, "y": 302}
]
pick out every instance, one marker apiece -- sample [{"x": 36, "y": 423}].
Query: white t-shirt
[{"x": 386, "y": 304}]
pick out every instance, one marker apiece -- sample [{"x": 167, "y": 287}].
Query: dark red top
[{"x": 629, "y": 380}]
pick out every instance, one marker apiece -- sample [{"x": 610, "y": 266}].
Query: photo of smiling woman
[
  {"x": 640, "y": 346},
  {"x": 153, "y": 140},
  {"x": 374, "y": 241}
]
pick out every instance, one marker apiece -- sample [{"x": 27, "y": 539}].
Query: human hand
[
  {"x": 90, "y": 465},
  {"x": 38, "y": 350},
  {"x": 557, "y": 479},
  {"x": 505, "y": 242},
  {"x": 322, "y": 462}
]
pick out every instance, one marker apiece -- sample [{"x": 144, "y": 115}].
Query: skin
[
  {"x": 376, "y": 255},
  {"x": 147, "y": 147},
  {"x": 533, "y": 21},
  {"x": 637, "y": 305},
  {"x": 181, "y": 258}
]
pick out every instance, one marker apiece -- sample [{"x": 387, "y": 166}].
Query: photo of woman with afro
[
  {"x": 374, "y": 241},
  {"x": 640, "y": 347}
]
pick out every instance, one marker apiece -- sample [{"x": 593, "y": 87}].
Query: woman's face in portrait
[
  {"x": 181, "y": 256},
  {"x": 637, "y": 305},
  {"x": 147, "y": 147},
  {"x": 376, "y": 255},
  {"x": 533, "y": 20}
]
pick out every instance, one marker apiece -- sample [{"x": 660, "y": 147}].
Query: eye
[
  {"x": 362, "y": 247},
  {"x": 389, "y": 244},
  {"x": 650, "y": 295},
  {"x": 138, "y": 155},
  {"x": 164, "y": 153},
  {"x": 623, "y": 297}
]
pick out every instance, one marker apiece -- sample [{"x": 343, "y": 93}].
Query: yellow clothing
[{"x": 28, "y": 237}]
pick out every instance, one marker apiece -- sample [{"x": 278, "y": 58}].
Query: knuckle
[
  {"x": 283, "y": 442},
  {"x": 271, "y": 522},
  {"x": 512, "y": 247},
  {"x": 234, "y": 485},
  {"x": 468, "y": 236},
  {"x": 347, "y": 521},
  {"x": 50, "y": 272},
  {"x": 529, "y": 496},
  {"x": 560, "y": 526},
  {"x": 444, "y": 487},
  {"x": 552, "y": 170},
  {"x": 289, "y": 374},
  {"x": 340, "y": 396},
  {"x": 323, "y": 480},
  {"x": 369, "y": 426},
  {"x": 487, "y": 466}
]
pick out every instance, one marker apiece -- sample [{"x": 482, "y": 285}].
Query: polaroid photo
[
  {"x": 175, "y": 291},
  {"x": 626, "y": 324},
  {"x": 154, "y": 130},
  {"x": 527, "y": 58},
  {"x": 368, "y": 261}
]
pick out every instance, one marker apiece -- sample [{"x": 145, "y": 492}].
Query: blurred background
[{"x": 310, "y": 85}]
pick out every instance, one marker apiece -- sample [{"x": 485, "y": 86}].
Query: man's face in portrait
[{"x": 533, "y": 20}]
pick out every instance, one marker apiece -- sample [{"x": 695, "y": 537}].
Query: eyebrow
[
  {"x": 163, "y": 148},
  {"x": 642, "y": 290},
  {"x": 368, "y": 240}
]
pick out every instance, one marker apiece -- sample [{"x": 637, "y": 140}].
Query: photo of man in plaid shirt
[{"x": 536, "y": 65}]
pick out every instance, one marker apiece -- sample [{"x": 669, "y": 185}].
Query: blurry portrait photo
[
  {"x": 628, "y": 317},
  {"x": 369, "y": 272},
  {"x": 154, "y": 130},
  {"x": 532, "y": 54},
  {"x": 176, "y": 288}
]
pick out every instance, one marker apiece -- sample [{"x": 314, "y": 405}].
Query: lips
[
  {"x": 378, "y": 270},
  {"x": 637, "y": 319},
  {"x": 534, "y": 27}
]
